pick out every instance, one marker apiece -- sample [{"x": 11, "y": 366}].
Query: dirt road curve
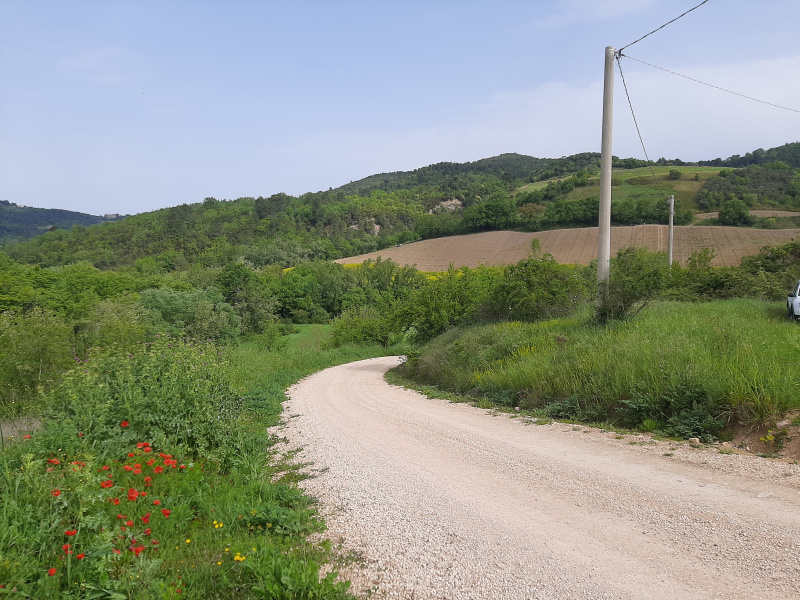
[{"x": 449, "y": 501}]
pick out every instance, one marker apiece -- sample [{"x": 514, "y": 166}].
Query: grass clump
[{"x": 680, "y": 369}]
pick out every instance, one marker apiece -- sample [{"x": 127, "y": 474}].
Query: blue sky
[{"x": 129, "y": 106}]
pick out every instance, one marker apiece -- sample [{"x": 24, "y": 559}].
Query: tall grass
[
  {"x": 738, "y": 358},
  {"x": 153, "y": 476}
]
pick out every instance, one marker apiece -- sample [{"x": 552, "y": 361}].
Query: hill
[
  {"x": 24, "y": 222},
  {"x": 506, "y": 192},
  {"x": 578, "y": 246}
]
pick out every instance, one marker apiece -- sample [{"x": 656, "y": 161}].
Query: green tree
[{"x": 734, "y": 212}]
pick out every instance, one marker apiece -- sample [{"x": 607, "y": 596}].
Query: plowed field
[{"x": 578, "y": 246}]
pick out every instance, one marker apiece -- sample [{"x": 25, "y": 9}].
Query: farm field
[{"x": 577, "y": 246}]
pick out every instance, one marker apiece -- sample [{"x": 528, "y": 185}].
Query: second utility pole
[{"x": 604, "y": 225}]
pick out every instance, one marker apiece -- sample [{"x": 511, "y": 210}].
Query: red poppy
[
  {"x": 156, "y": 502},
  {"x": 51, "y": 572},
  {"x": 166, "y": 512},
  {"x": 127, "y": 467},
  {"x": 66, "y": 548},
  {"x": 147, "y": 450},
  {"x": 132, "y": 494},
  {"x": 107, "y": 483},
  {"x": 56, "y": 493},
  {"x": 146, "y": 519},
  {"x": 117, "y": 551},
  {"x": 137, "y": 550},
  {"x": 146, "y": 531},
  {"x": 124, "y": 424},
  {"x": 158, "y": 469},
  {"x": 150, "y": 462},
  {"x": 70, "y": 532},
  {"x": 131, "y": 454},
  {"x": 148, "y": 480},
  {"x": 105, "y": 468},
  {"x": 54, "y": 461},
  {"x": 129, "y": 523},
  {"x": 26, "y": 437},
  {"x": 80, "y": 556},
  {"x": 137, "y": 471},
  {"x": 115, "y": 501},
  {"x": 121, "y": 517}
]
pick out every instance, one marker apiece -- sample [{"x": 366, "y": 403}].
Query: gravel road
[{"x": 448, "y": 501}]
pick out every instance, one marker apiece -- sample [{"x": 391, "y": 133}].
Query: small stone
[
  {"x": 694, "y": 440},
  {"x": 783, "y": 424}
]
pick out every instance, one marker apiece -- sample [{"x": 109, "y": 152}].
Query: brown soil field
[
  {"x": 578, "y": 246},
  {"x": 754, "y": 213}
]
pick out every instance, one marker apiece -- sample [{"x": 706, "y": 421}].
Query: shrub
[
  {"x": 636, "y": 277},
  {"x": 169, "y": 392}
]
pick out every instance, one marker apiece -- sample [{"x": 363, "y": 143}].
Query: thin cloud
[{"x": 109, "y": 65}]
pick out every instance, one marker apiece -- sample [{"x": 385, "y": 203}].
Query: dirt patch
[
  {"x": 781, "y": 440},
  {"x": 578, "y": 246},
  {"x": 14, "y": 429}
]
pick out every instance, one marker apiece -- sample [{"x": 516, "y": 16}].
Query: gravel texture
[{"x": 448, "y": 501}]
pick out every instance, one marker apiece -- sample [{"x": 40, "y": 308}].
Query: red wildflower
[
  {"x": 158, "y": 469},
  {"x": 137, "y": 471},
  {"x": 54, "y": 461},
  {"x": 129, "y": 523},
  {"x": 128, "y": 468},
  {"x": 51, "y": 572},
  {"x": 131, "y": 454},
  {"x": 132, "y": 494},
  {"x": 80, "y": 556},
  {"x": 148, "y": 480},
  {"x": 146, "y": 519},
  {"x": 26, "y": 437},
  {"x": 115, "y": 501},
  {"x": 146, "y": 531},
  {"x": 141, "y": 445},
  {"x": 156, "y": 502},
  {"x": 150, "y": 462},
  {"x": 66, "y": 548},
  {"x": 107, "y": 483},
  {"x": 70, "y": 532},
  {"x": 121, "y": 517},
  {"x": 56, "y": 493},
  {"x": 137, "y": 550},
  {"x": 147, "y": 450},
  {"x": 183, "y": 466},
  {"x": 166, "y": 512},
  {"x": 124, "y": 424},
  {"x": 105, "y": 468},
  {"x": 117, "y": 551}
]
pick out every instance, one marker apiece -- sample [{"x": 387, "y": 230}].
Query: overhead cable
[
  {"x": 716, "y": 87},
  {"x": 664, "y": 25}
]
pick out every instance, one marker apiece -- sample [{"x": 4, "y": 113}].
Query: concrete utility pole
[
  {"x": 671, "y": 228},
  {"x": 604, "y": 226}
]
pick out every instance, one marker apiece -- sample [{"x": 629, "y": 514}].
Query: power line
[
  {"x": 662, "y": 27},
  {"x": 716, "y": 87},
  {"x": 638, "y": 131}
]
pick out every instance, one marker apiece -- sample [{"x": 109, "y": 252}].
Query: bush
[
  {"x": 734, "y": 212},
  {"x": 35, "y": 350},
  {"x": 636, "y": 277},
  {"x": 170, "y": 392}
]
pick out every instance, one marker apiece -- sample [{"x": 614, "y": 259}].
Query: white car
[{"x": 793, "y": 302}]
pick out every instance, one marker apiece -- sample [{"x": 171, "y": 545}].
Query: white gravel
[{"x": 448, "y": 501}]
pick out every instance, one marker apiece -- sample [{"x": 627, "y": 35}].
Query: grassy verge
[
  {"x": 678, "y": 368},
  {"x": 152, "y": 476}
]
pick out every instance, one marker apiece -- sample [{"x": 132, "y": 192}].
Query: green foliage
[
  {"x": 637, "y": 276},
  {"x": 675, "y": 174},
  {"x": 168, "y": 391},
  {"x": 34, "y": 351},
  {"x": 734, "y": 212},
  {"x": 687, "y": 366},
  {"x": 538, "y": 288},
  {"x": 200, "y": 314}
]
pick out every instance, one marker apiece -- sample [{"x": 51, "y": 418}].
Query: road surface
[{"x": 444, "y": 500}]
